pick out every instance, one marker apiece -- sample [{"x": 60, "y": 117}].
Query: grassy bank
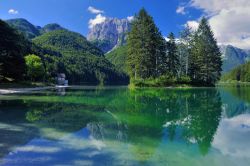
[
  {"x": 233, "y": 83},
  {"x": 163, "y": 81}
]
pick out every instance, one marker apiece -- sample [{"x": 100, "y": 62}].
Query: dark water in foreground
[{"x": 117, "y": 126}]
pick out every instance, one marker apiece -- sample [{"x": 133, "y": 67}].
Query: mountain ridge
[{"x": 109, "y": 34}]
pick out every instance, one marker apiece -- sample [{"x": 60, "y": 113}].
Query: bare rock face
[{"x": 109, "y": 34}]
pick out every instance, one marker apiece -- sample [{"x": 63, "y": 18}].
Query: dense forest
[{"x": 39, "y": 54}]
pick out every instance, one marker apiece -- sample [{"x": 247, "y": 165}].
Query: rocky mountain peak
[{"x": 109, "y": 34}]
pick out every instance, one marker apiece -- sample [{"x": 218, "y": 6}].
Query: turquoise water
[{"x": 118, "y": 126}]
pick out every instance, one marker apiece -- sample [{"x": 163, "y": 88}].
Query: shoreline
[{"x": 23, "y": 90}]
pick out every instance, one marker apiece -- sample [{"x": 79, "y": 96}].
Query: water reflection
[{"x": 125, "y": 127}]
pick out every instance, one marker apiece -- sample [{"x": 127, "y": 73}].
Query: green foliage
[
  {"x": 104, "y": 45},
  {"x": 184, "y": 51},
  {"x": 240, "y": 73},
  {"x": 206, "y": 62},
  {"x": 51, "y": 27},
  {"x": 13, "y": 47},
  {"x": 173, "y": 61},
  {"x": 118, "y": 57},
  {"x": 66, "y": 42},
  {"x": 146, "y": 48},
  {"x": 22, "y": 25},
  {"x": 82, "y": 62},
  {"x": 35, "y": 68}
]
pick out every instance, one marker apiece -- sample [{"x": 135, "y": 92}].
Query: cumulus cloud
[
  {"x": 193, "y": 25},
  {"x": 13, "y": 11},
  {"x": 97, "y": 20},
  {"x": 93, "y": 10},
  {"x": 228, "y": 20},
  {"x": 181, "y": 10},
  {"x": 130, "y": 18}
]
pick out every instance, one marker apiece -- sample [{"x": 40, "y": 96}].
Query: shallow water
[{"x": 117, "y": 126}]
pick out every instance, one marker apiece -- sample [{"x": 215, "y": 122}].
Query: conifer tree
[
  {"x": 145, "y": 48},
  {"x": 172, "y": 56},
  {"x": 184, "y": 51},
  {"x": 206, "y": 56}
]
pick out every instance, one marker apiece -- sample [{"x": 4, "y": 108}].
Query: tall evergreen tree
[
  {"x": 172, "y": 56},
  {"x": 206, "y": 56},
  {"x": 145, "y": 48},
  {"x": 184, "y": 51},
  {"x": 13, "y": 47}
]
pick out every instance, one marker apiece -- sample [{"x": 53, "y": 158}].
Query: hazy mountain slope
[
  {"x": 233, "y": 57},
  {"x": 51, "y": 27},
  {"x": 29, "y": 30}
]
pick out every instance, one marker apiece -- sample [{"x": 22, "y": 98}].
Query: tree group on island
[{"x": 153, "y": 61}]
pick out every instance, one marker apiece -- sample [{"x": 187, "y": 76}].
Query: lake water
[{"x": 118, "y": 126}]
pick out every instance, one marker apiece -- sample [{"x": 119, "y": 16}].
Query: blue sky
[
  {"x": 74, "y": 14},
  {"x": 228, "y": 18}
]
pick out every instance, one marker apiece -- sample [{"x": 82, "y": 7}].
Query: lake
[{"x": 117, "y": 126}]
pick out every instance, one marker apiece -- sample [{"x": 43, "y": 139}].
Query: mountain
[
  {"x": 51, "y": 27},
  {"x": 82, "y": 62},
  {"x": 66, "y": 41},
  {"x": 109, "y": 34},
  {"x": 233, "y": 57},
  {"x": 29, "y": 30}
]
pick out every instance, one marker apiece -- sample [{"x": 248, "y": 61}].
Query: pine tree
[
  {"x": 172, "y": 56},
  {"x": 184, "y": 51},
  {"x": 145, "y": 48},
  {"x": 206, "y": 56},
  {"x": 13, "y": 47}
]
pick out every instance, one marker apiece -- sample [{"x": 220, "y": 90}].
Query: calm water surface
[{"x": 117, "y": 126}]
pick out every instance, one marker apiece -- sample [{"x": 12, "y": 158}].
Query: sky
[{"x": 229, "y": 19}]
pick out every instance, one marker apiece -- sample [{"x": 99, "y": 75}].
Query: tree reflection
[{"x": 138, "y": 117}]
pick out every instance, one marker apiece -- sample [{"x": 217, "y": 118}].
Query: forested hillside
[
  {"x": 67, "y": 42},
  {"x": 56, "y": 51},
  {"x": 13, "y": 47},
  {"x": 81, "y": 61},
  {"x": 29, "y": 30},
  {"x": 240, "y": 73},
  {"x": 118, "y": 57}
]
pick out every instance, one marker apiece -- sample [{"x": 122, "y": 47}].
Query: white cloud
[
  {"x": 97, "y": 20},
  {"x": 13, "y": 11},
  {"x": 228, "y": 20},
  {"x": 93, "y": 10},
  {"x": 130, "y": 18},
  {"x": 181, "y": 10},
  {"x": 193, "y": 25}
]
